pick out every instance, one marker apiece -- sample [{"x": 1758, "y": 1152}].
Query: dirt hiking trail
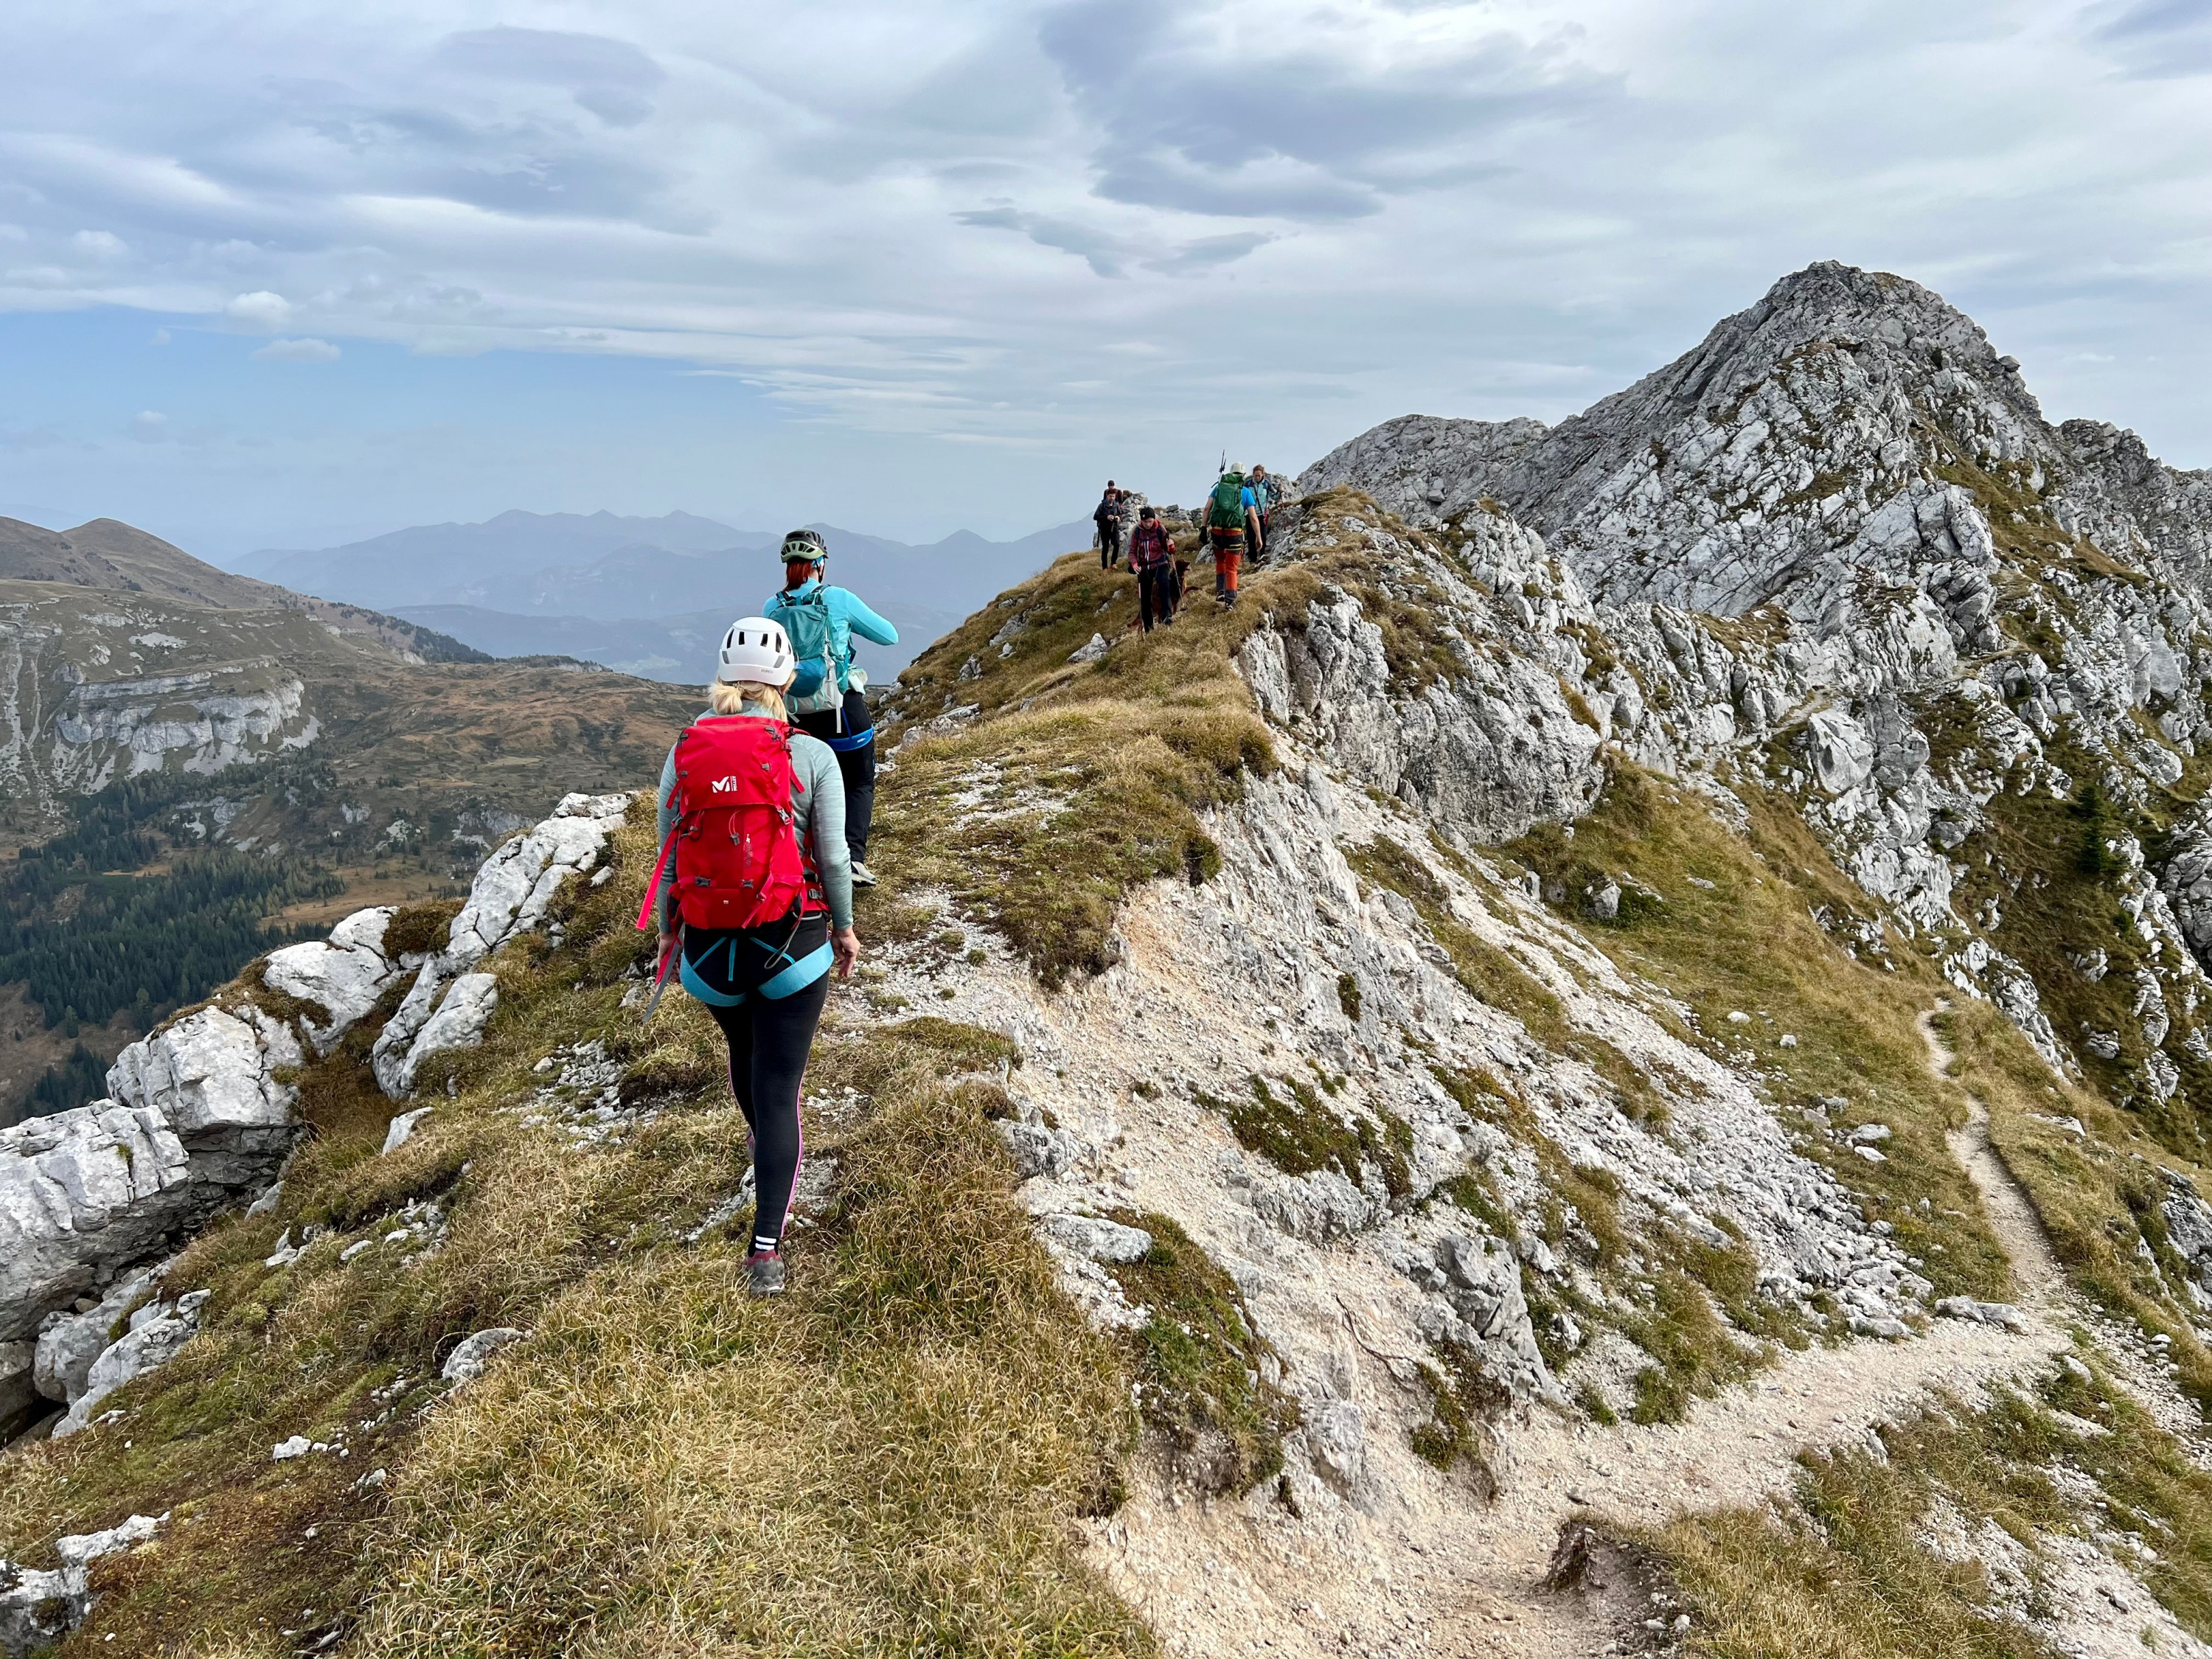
[
  {"x": 2035, "y": 1269},
  {"x": 1427, "y": 1568}
]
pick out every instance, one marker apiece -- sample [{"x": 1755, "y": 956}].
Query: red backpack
[{"x": 735, "y": 838}]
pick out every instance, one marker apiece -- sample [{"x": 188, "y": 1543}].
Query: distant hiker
[
  {"x": 1108, "y": 517},
  {"x": 760, "y": 901},
  {"x": 1151, "y": 556},
  {"x": 1265, "y": 487},
  {"x": 1228, "y": 515},
  {"x": 826, "y": 699}
]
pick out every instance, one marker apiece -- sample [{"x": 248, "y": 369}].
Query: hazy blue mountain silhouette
[
  {"x": 425, "y": 563},
  {"x": 647, "y": 596}
]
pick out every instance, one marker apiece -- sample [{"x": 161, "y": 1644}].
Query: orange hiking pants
[{"x": 1228, "y": 559}]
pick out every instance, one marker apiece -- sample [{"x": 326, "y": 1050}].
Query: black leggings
[
  {"x": 857, "y": 767},
  {"x": 769, "y": 1042}
]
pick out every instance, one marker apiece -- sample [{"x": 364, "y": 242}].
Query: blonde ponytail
[{"x": 726, "y": 698}]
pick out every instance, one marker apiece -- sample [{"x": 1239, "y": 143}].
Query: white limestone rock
[
  {"x": 508, "y": 897},
  {"x": 401, "y": 1129},
  {"x": 1094, "y": 1238},
  {"x": 212, "y": 1078},
  {"x": 1335, "y": 1435},
  {"x": 157, "y": 1331},
  {"x": 68, "y": 1343},
  {"x": 1493, "y": 756},
  {"x": 466, "y": 1362},
  {"x": 458, "y": 1023},
  {"x": 2003, "y": 1314},
  {"x": 2188, "y": 1220},
  {"x": 38, "y": 1609},
  {"x": 1038, "y": 1149},
  {"x": 1483, "y": 1310},
  {"x": 83, "y": 1193},
  {"x": 343, "y": 976}
]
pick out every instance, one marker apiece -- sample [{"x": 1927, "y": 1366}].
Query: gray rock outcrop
[
  {"x": 200, "y": 1116},
  {"x": 448, "y": 1006},
  {"x": 156, "y": 1332},
  {"x": 344, "y": 974},
  {"x": 38, "y": 1608}
]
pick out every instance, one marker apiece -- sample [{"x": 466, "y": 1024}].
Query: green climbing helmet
[{"x": 803, "y": 545}]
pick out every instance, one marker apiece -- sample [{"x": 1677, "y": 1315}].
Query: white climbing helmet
[{"x": 758, "y": 650}]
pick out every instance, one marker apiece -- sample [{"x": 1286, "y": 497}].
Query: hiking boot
[
  {"x": 862, "y": 876},
  {"x": 764, "y": 1272}
]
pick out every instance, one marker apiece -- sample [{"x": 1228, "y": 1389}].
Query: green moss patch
[
  {"x": 1290, "y": 1126},
  {"x": 1200, "y": 1379}
]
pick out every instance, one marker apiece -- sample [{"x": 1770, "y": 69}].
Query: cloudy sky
[{"x": 288, "y": 273}]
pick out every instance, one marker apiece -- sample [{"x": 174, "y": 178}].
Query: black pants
[
  {"x": 731, "y": 970},
  {"x": 1156, "y": 595},
  {"x": 768, "y": 1043},
  {"x": 856, "y": 766},
  {"x": 1110, "y": 544}
]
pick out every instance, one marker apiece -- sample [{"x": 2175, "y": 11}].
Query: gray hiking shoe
[
  {"x": 862, "y": 876},
  {"x": 764, "y": 1272}
]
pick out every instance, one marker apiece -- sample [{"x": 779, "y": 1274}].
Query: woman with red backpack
[{"x": 759, "y": 904}]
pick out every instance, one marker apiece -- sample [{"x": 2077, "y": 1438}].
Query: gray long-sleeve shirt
[{"x": 818, "y": 796}]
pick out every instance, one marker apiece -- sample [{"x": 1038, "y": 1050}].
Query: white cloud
[
  {"x": 260, "y": 309},
  {"x": 161, "y": 337},
  {"x": 149, "y": 426},
  {"x": 100, "y": 244},
  {"x": 297, "y": 351},
  {"x": 1126, "y": 224}
]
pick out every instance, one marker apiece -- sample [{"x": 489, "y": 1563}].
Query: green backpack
[{"x": 1225, "y": 511}]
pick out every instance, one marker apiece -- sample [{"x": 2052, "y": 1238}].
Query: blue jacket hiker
[
  {"x": 827, "y": 698},
  {"x": 754, "y": 901}
]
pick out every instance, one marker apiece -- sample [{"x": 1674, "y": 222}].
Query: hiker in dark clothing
[
  {"x": 1151, "y": 556},
  {"x": 1108, "y": 517}
]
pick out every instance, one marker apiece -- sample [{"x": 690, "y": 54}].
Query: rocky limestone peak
[{"x": 1852, "y": 430}]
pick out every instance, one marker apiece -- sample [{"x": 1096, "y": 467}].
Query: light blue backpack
[{"x": 820, "y": 684}]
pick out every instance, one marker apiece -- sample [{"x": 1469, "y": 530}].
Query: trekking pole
[{"x": 661, "y": 983}]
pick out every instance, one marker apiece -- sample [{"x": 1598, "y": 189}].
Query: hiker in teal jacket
[{"x": 826, "y": 698}]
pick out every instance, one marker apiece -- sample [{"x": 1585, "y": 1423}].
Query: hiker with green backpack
[
  {"x": 826, "y": 698},
  {"x": 1231, "y": 512}
]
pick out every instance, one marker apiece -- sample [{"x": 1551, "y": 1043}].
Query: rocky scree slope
[{"x": 1487, "y": 1116}]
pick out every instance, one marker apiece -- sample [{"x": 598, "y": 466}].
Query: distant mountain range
[
  {"x": 215, "y": 757},
  {"x": 646, "y": 596}
]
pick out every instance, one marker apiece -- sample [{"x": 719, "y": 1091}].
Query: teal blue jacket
[{"x": 848, "y": 615}]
